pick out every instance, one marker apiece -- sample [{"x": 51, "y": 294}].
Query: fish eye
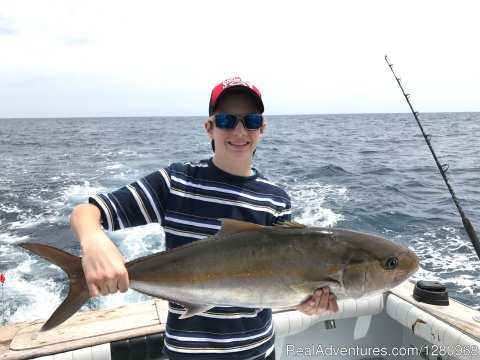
[{"x": 391, "y": 263}]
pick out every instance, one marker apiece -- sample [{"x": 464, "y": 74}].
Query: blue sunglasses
[{"x": 229, "y": 121}]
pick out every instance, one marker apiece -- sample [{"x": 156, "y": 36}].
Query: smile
[{"x": 239, "y": 144}]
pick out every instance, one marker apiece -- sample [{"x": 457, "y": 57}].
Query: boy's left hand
[{"x": 322, "y": 300}]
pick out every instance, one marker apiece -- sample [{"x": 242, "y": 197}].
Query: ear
[
  {"x": 264, "y": 126},
  {"x": 208, "y": 128}
]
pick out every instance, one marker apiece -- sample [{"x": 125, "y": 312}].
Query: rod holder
[{"x": 330, "y": 324}]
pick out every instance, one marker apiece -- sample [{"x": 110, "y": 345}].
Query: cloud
[
  {"x": 6, "y": 26},
  {"x": 163, "y": 57},
  {"x": 77, "y": 41}
]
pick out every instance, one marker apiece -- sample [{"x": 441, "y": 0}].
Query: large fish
[{"x": 249, "y": 265}]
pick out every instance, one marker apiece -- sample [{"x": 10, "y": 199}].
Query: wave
[
  {"x": 332, "y": 170},
  {"x": 449, "y": 258},
  {"x": 308, "y": 202}
]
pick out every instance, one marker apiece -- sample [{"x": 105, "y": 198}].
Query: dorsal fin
[
  {"x": 290, "y": 225},
  {"x": 230, "y": 227}
]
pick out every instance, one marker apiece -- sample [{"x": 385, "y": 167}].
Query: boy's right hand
[
  {"x": 104, "y": 268},
  {"x": 103, "y": 265}
]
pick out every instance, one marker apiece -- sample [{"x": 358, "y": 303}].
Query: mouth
[{"x": 239, "y": 144}]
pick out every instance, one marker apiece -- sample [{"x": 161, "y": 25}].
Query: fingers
[
  {"x": 321, "y": 301},
  {"x": 106, "y": 287},
  {"x": 106, "y": 279},
  {"x": 332, "y": 303},
  {"x": 320, "y": 305},
  {"x": 317, "y": 303},
  {"x": 93, "y": 289},
  {"x": 104, "y": 268},
  {"x": 123, "y": 283},
  {"x": 306, "y": 306},
  {"x": 323, "y": 295}
]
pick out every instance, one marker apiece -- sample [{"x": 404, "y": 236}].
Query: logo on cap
[{"x": 236, "y": 81}]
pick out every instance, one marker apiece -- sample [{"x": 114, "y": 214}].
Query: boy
[{"x": 187, "y": 200}]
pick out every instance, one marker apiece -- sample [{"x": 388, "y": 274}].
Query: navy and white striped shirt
[{"x": 187, "y": 199}]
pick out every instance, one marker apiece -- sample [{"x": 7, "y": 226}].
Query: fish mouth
[
  {"x": 411, "y": 264},
  {"x": 415, "y": 261}
]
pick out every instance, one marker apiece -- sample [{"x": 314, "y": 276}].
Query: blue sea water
[{"x": 366, "y": 172}]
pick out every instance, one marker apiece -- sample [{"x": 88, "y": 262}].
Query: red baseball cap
[{"x": 233, "y": 84}]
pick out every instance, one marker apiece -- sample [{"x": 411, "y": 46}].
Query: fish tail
[{"x": 78, "y": 293}]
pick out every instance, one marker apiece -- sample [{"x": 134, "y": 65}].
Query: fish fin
[
  {"x": 290, "y": 225},
  {"x": 230, "y": 227},
  {"x": 194, "y": 309},
  {"x": 78, "y": 293},
  {"x": 308, "y": 287}
]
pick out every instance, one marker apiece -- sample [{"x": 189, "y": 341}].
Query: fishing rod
[{"x": 443, "y": 170}]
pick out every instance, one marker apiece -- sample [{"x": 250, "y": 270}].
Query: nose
[{"x": 239, "y": 128}]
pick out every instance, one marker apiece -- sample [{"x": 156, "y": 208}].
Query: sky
[{"x": 68, "y": 58}]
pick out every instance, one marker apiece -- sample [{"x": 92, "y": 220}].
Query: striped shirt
[{"x": 188, "y": 199}]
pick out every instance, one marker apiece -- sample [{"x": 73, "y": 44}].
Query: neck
[{"x": 238, "y": 168}]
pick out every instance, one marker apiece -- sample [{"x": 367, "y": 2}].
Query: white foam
[
  {"x": 153, "y": 240},
  {"x": 54, "y": 211},
  {"x": 9, "y": 209},
  {"x": 441, "y": 260},
  {"x": 27, "y": 219},
  {"x": 114, "y": 166},
  {"x": 39, "y": 299},
  {"x": 311, "y": 196},
  {"x": 129, "y": 152},
  {"x": 27, "y": 300},
  {"x": 8, "y": 238},
  {"x": 77, "y": 194}
]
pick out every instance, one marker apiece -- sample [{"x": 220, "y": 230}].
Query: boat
[
  {"x": 410, "y": 321},
  {"x": 386, "y": 326}
]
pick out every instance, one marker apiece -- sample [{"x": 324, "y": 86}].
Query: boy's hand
[
  {"x": 102, "y": 263},
  {"x": 322, "y": 300},
  {"x": 104, "y": 268}
]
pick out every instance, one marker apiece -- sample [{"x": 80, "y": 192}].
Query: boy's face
[{"x": 238, "y": 143}]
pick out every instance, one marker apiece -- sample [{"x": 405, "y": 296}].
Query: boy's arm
[{"x": 102, "y": 262}]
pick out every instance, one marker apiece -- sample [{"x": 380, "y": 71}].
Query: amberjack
[{"x": 252, "y": 266}]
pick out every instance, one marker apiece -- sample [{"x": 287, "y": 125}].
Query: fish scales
[{"x": 251, "y": 269}]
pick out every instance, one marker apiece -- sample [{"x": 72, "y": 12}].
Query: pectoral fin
[
  {"x": 308, "y": 287},
  {"x": 194, "y": 309}
]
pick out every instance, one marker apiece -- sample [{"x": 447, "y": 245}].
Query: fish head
[{"x": 376, "y": 265}]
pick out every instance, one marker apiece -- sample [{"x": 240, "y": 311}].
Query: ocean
[{"x": 365, "y": 172}]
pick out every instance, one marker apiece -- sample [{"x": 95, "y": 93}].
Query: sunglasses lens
[
  {"x": 229, "y": 121},
  {"x": 225, "y": 121},
  {"x": 253, "y": 121}
]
